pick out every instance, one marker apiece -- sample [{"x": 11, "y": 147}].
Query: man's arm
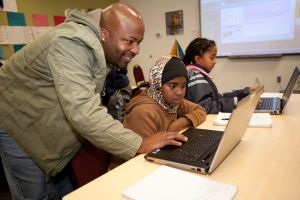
[{"x": 76, "y": 89}]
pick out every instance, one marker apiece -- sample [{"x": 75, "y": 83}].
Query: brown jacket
[{"x": 145, "y": 116}]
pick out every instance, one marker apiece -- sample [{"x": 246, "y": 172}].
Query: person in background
[
  {"x": 91, "y": 162},
  {"x": 200, "y": 59},
  {"x": 50, "y": 100},
  {"x": 163, "y": 105},
  {"x": 117, "y": 93}
]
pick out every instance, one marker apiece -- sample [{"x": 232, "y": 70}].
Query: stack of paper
[
  {"x": 170, "y": 183},
  {"x": 259, "y": 120}
]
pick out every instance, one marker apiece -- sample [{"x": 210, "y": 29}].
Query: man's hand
[{"x": 160, "y": 140}]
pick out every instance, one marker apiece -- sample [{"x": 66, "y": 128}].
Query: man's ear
[{"x": 104, "y": 34}]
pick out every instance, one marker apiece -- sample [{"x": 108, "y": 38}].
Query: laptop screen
[
  {"x": 290, "y": 87},
  {"x": 236, "y": 126}
]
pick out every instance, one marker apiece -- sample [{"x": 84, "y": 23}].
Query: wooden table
[{"x": 264, "y": 165}]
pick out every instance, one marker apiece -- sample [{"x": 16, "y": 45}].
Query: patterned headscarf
[{"x": 155, "y": 91}]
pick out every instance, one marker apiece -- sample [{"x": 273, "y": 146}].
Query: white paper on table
[
  {"x": 171, "y": 183},
  {"x": 258, "y": 120}
]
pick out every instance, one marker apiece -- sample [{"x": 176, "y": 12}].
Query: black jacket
[
  {"x": 117, "y": 93},
  {"x": 201, "y": 90}
]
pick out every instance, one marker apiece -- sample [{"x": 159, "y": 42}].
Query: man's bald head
[
  {"x": 122, "y": 30},
  {"x": 116, "y": 12}
]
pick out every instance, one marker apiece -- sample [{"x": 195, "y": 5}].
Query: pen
[{"x": 225, "y": 118}]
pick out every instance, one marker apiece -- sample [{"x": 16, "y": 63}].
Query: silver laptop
[
  {"x": 276, "y": 105},
  {"x": 206, "y": 149}
]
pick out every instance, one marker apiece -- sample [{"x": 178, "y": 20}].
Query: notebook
[
  {"x": 275, "y": 105},
  {"x": 258, "y": 120},
  {"x": 206, "y": 149},
  {"x": 170, "y": 183}
]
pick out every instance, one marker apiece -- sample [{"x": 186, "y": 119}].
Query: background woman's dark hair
[{"x": 197, "y": 47}]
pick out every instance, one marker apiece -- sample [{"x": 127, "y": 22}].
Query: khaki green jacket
[{"x": 50, "y": 95}]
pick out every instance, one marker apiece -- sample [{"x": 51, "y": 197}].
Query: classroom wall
[
  {"x": 50, "y": 7},
  {"x": 228, "y": 73},
  {"x": 57, "y": 7}
]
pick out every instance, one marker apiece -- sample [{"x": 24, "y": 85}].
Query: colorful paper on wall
[
  {"x": 58, "y": 20},
  {"x": 40, "y": 20},
  {"x": 1, "y": 5},
  {"x": 15, "y": 19},
  {"x": 17, "y": 47},
  {"x": 38, "y": 31},
  {"x": 1, "y": 53},
  {"x": 177, "y": 50},
  {"x": 10, "y": 5},
  {"x": 18, "y": 34},
  {"x": 3, "y": 37}
]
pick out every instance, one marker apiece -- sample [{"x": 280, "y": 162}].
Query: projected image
[
  {"x": 270, "y": 20},
  {"x": 298, "y": 13},
  {"x": 254, "y": 27}
]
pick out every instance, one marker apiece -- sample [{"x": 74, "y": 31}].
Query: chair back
[
  {"x": 89, "y": 163},
  {"x": 138, "y": 75},
  {"x": 141, "y": 84}
]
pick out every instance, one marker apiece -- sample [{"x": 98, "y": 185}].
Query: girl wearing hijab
[{"x": 162, "y": 107}]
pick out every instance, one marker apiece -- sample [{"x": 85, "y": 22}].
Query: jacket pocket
[{"x": 57, "y": 133}]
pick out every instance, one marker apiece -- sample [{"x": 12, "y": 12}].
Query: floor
[{"x": 4, "y": 191}]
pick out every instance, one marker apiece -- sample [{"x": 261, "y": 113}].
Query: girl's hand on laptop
[
  {"x": 253, "y": 88},
  {"x": 179, "y": 124},
  {"x": 160, "y": 140}
]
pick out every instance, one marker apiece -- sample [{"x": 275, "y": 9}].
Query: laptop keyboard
[
  {"x": 197, "y": 146},
  {"x": 267, "y": 103}
]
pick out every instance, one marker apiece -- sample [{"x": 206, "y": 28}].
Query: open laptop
[
  {"x": 275, "y": 105},
  {"x": 206, "y": 149}
]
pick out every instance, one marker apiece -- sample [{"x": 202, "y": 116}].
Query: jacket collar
[{"x": 199, "y": 68}]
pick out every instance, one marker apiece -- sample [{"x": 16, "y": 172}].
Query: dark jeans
[{"x": 25, "y": 179}]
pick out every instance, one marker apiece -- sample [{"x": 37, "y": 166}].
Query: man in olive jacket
[{"x": 50, "y": 99}]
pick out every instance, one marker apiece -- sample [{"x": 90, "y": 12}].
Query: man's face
[{"x": 121, "y": 42}]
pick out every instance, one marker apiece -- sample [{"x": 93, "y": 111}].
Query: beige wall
[
  {"x": 57, "y": 7},
  {"x": 50, "y": 7},
  {"x": 228, "y": 73}
]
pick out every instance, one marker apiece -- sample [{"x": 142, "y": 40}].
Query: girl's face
[
  {"x": 174, "y": 91},
  {"x": 208, "y": 59}
]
